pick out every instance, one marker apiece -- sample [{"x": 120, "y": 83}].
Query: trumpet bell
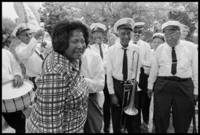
[{"x": 130, "y": 111}]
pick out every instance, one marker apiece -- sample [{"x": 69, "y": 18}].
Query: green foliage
[{"x": 109, "y": 12}]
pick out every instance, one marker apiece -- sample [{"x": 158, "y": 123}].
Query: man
[
  {"x": 121, "y": 63},
  {"x": 26, "y": 51},
  {"x": 11, "y": 71},
  {"x": 144, "y": 65},
  {"x": 93, "y": 71},
  {"x": 174, "y": 74},
  {"x": 98, "y": 31}
]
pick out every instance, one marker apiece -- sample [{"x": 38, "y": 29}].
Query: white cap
[
  {"x": 95, "y": 26},
  {"x": 171, "y": 23},
  {"x": 139, "y": 24},
  {"x": 158, "y": 35},
  {"x": 128, "y": 22}
]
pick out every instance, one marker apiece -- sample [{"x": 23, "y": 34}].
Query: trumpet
[
  {"x": 128, "y": 105},
  {"x": 130, "y": 109}
]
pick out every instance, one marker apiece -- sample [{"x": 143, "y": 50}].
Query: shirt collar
[
  {"x": 118, "y": 45},
  {"x": 177, "y": 46}
]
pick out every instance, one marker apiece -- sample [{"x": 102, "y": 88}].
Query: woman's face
[
  {"x": 156, "y": 42},
  {"x": 76, "y": 45}
]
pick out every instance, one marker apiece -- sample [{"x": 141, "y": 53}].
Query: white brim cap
[
  {"x": 171, "y": 23},
  {"x": 17, "y": 27},
  {"x": 158, "y": 35},
  {"x": 95, "y": 26},
  {"x": 124, "y": 21},
  {"x": 32, "y": 27},
  {"x": 139, "y": 24}
]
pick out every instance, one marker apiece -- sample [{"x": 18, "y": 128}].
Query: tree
[{"x": 109, "y": 12}]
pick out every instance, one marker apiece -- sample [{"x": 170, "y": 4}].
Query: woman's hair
[{"x": 62, "y": 32}]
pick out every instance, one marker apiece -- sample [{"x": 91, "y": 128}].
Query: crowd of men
[{"x": 123, "y": 70}]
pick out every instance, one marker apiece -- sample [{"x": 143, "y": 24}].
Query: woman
[
  {"x": 158, "y": 39},
  {"x": 62, "y": 94}
]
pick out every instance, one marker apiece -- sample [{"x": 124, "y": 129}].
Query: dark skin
[
  {"x": 172, "y": 37},
  {"x": 125, "y": 37}
]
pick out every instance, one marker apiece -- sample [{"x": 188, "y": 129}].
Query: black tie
[
  {"x": 101, "y": 52},
  {"x": 125, "y": 66},
  {"x": 174, "y": 61}
]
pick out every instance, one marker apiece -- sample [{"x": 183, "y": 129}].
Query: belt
[
  {"x": 123, "y": 82},
  {"x": 173, "y": 78}
]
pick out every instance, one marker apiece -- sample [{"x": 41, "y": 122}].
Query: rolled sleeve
[
  {"x": 153, "y": 72},
  {"x": 195, "y": 70},
  {"x": 25, "y": 51},
  {"x": 96, "y": 80},
  {"x": 109, "y": 74}
]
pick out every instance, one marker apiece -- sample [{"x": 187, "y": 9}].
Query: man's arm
[
  {"x": 195, "y": 70},
  {"x": 25, "y": 51},
  {"x": 93, "y": 71},
  {"x": 109, "y": 72}
]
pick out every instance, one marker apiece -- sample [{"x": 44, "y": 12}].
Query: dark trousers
[
  {"x": 16, "y": 120},
  {"x": 132, "y": 123},
  {"x": 94, "y": 117},
  {"x": 106, "y": 108},
  {"x": 144, "y": 100},
  {"x": 177, "y": 95},
  {"x": 144, "y": 104}
]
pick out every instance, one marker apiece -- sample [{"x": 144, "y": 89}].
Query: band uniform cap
[
  {"x": 139, "y": 24},
  {"x": 158, "y": 35},
  {"x": 125, "y": 22},
  {"x": 20, "y": 28},
  {"x": 95, "y": 26},
  {"x": 171, "y": 23}
]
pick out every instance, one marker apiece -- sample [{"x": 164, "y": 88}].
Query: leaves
[{"x": 109, "y": 12}]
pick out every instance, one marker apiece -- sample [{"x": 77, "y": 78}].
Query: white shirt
[
  {"x": 145, "y": 55},
  {"x": 27, "y": 55},
  {"x": 95, "y": 47},
  {"x": 187, "y": 63},
  {"x": 10, "y": 66},
  {"x": 114, "y": 63},
  {"x": 93, "y": 71}
]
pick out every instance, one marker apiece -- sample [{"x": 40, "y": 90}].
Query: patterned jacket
[{"x": 61, "y": 98}]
